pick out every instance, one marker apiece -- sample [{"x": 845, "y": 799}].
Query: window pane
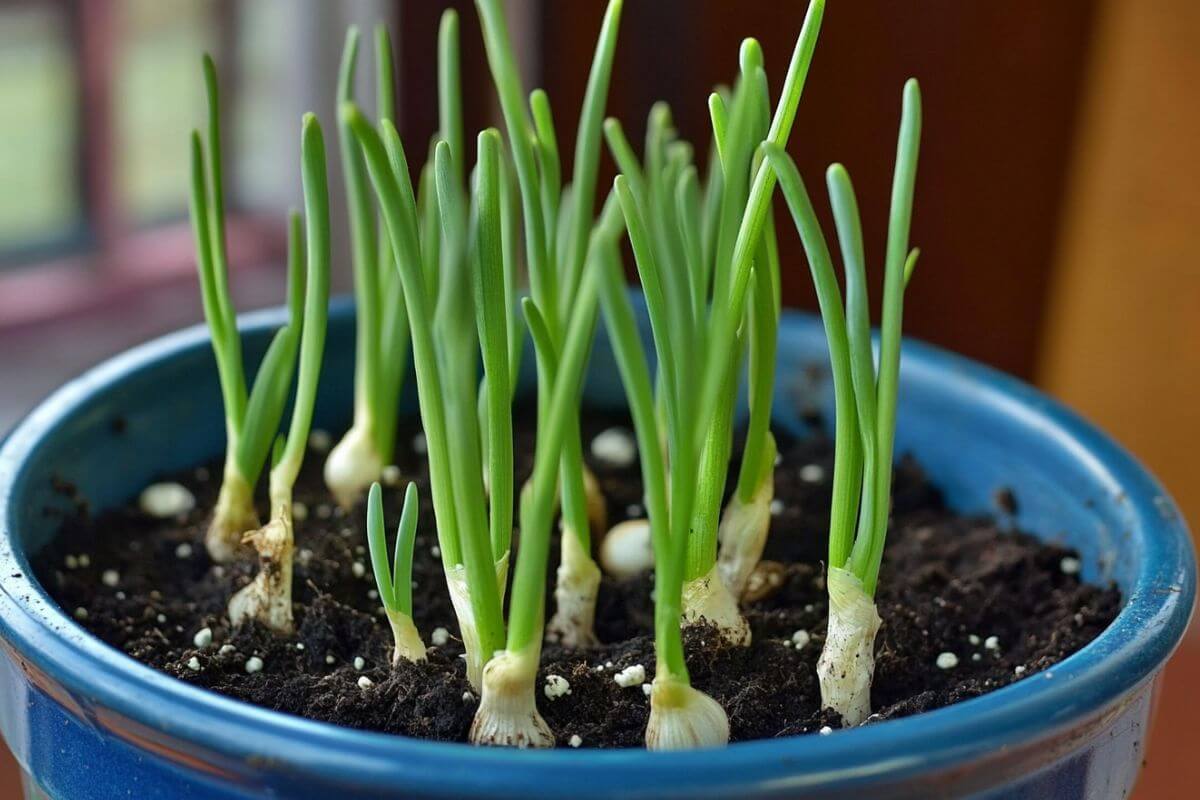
[
  {"x": 39, "y": 202},
  {"x": 159, "y": 99},
  {"x": 266, "y": 135}
]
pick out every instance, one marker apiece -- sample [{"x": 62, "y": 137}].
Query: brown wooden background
[{"x": 1058, "y": 201}]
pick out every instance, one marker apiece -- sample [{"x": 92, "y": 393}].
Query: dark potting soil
[{"x": 1003, "y": 603}]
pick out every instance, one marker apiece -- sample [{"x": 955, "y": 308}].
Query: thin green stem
[
  {"x": 491, "y": 315},
  {"x": 728, "y": 312},
  {"x": 635, "y": 376},
  {"x": 316, "y": 302},
  {"x": 220, "y": 259},
  {"x": 274, "y": 379},
  {"x": 847, "y": 463},
  {"x": 450, "y": 109},
  {"x": 899, "y": 223},
  {"x": 364, "y": 256},
  {"x": 587, "y": 154}
]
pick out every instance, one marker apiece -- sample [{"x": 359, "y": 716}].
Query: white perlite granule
[
  {"x": 359, "y": 663},
  {"x": 631, "y": 676},
  {"x": 825, "y": 730},
  {"x": 419, "y": 445},
  {"x": 992, "y": 643},
  {"x": 226, "y": 649},
  {"x": 947, "y": 660},
  {"x": 1070, "y": 565},
  {"x": 575, "y": 741},
  {"x": 614, "y": 447},
  {"x": 320, "y": 441},
  {"x": 203, "y": 638},
  {"x": 390, "y": 475},
  {"x": 183, "y": 551},
  {"x": 365, "y": 683},
  {"x": 166, "y": 500},
  {"x": 439, "y": 636},
  {"x": 776, "y": 507},
  {"x": 556, "y": 686},
  {"x": 193, "y": 664},
  {"x": 800, "y": 639},
  {"x": 358, "y": 569},
  {"x": 812, "y": 473},
  {"x": 110, "y": 578},
  {"x": 254, "y": 664}
]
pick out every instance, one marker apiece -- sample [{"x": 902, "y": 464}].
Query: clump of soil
[{"x": 1005, "y": 604}]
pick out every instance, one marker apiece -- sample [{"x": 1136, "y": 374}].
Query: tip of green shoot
[
  {"x": 352, "y": 35},
  {"x": 837, "y": 171},
  {"x": 912, "y": 92},
  {"x": 449, "y": 18},
  {"x": 349, "y": 111},
  {"x": 750, "y": 55}
]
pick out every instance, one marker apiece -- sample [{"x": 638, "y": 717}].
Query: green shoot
[
  {"x": 250, "y": 422},
  {"x": 865, "y": 401},
  {"x": 696, "y": 255},
  {"x": 681, "y": 717},
  {"x": 558, "y": 224},
  {"x": 268, "y": 598},
  {"x": 381, "y": 336},
  {"x": 480, "y": 615},
  {"x": 395, "y": 583}
]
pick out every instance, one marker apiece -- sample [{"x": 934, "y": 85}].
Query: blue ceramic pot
[{"x": 86, "y": 721}]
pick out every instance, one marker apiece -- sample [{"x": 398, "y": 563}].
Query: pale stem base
[
  {"x": 460, "y": 598},
  {"x": 742, "y": 535},
  {"x": 507, "y": 714},
  {"x": 846, "y": 667},
  {"x": 268, "y": 598},
  {"x": 578, "y": 581},
  {"x": 353, "y": 464},
  {"x": 407, "y": 640},
  {"x": 233, "y": 516},
  {"x": 684, "y": 718},
  {"x": 706, "y": 599}
]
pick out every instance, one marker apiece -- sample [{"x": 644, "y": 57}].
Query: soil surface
[{"x": 1004, "y": 604}]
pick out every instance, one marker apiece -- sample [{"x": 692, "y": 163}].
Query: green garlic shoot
[
  {"x": 251, "y": 422},
  {"x": 268, "y": 597},
  {"x": 865, "y": 401},
  {"x": 681, "y": 716},
  {"x": 696, "y": 255},
  {"x": 395, "y": 583},
  {"x": 475, "y": 562},
  {"x": 381, "y": 328},
  {"x": 558, "y": 223}
]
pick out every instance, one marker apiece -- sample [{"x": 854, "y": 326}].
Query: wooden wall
[{"x": 999, "y": 80}]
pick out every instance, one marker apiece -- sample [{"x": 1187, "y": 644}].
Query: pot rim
[{"x": 1145, "y": 633}]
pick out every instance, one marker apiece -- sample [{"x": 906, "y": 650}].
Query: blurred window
[
  {"x": 39, "y": 194},
  {"x": 97, "y": 100},
  {"x": 159, "y": 98}
]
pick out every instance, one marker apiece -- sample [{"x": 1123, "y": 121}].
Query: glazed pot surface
[{"x": 84, "y": 720}]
